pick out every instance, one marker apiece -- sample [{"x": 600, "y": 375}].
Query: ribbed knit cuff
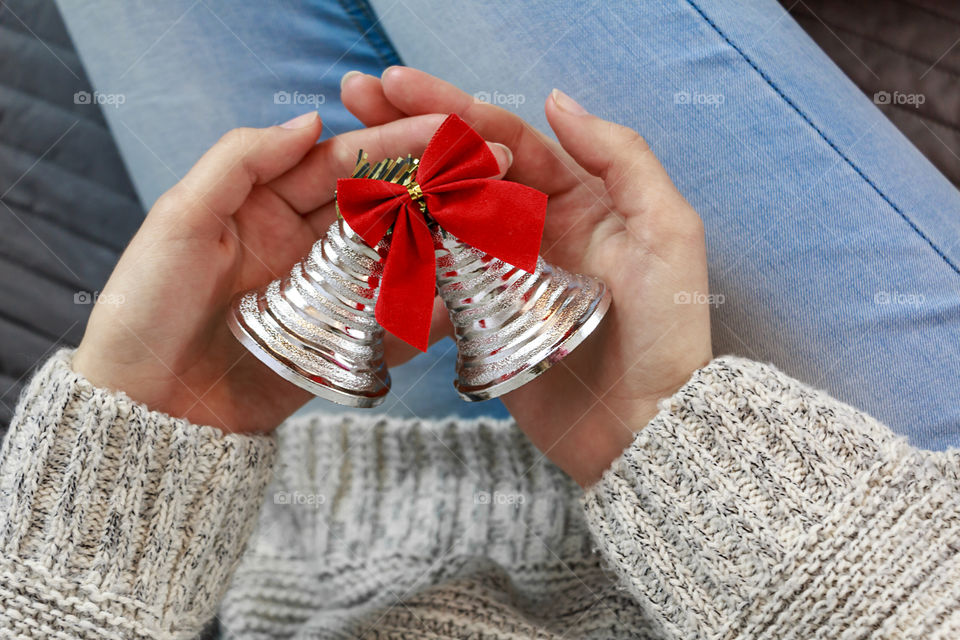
[
  {"x": 364, "y": 508},
  {"x": 753, "y": 506},
  {"x": 118, "y": 521}
]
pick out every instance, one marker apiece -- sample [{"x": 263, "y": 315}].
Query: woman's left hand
[{"x": 613, "y": 213}]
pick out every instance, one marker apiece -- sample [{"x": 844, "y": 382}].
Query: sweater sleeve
[
  {"x": 754, "y": 507},
  {"x": 117, "y": 521}
]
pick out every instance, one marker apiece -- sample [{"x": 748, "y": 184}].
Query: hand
[
  {"x": 245, "y": 213},
  {"x": 613, "y": 213}
]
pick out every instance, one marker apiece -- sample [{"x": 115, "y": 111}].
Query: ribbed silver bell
[
  {"x": 511, "y": 325},
  {"x": 316, "y": 327}
]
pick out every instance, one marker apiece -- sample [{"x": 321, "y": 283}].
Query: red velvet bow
[{"x": 453, "y": 180}]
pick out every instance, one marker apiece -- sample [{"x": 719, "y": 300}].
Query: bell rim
[
  {"x": 295, "y": 374},
  {"x": 587, "y": 326}
]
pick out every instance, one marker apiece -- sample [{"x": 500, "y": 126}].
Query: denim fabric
[
  {"x": 174, "y": 76},
  {"x": 833, "y": 244}
]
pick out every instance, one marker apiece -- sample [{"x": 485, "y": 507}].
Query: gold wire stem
[{"x": 401, "y": 170}]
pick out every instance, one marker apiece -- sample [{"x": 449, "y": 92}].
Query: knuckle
[
  {"x": 669, "y": 220},
  {"x": 637, "y": 144},
  {"x": 690, "y": 228},
  {"x": 684, "y": 227},
  {"x": 631, "y": 142},
  {"x": 174, "y": 200},
  {"x": 237, "y": 139},
  {"x": 656, "y": 229},
  {"x": 627, "y": 151}
]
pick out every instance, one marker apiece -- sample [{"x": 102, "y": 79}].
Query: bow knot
[
  {"x": 416, "y": 193},
  {"x": 456, "y": 186}
]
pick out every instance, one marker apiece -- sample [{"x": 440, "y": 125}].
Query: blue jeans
[{"x": 833, "y": 243}]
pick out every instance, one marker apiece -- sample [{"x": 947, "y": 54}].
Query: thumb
[
  {"x": 222, "y": 179},
  {"x": 617, "y": 154}
]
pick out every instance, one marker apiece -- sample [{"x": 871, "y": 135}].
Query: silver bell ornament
[
  {"x": 406, "y": 229},
  {"x": 514, "y": 315},
  {"x": 316, "y": 326},
  {"x": 511, "y": 325}
]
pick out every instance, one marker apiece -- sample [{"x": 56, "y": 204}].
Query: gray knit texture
[
  {"x": 751, "y": 507},
  {"x": 117, "y": 521},
  {"x": 387, "y": 528},
  {"x": 756, "y": 507}
]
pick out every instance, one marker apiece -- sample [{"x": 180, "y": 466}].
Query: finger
[
  {"x": 221, "y": 180},
  {"x": 631, "y": 173},
  {"x": 362, "y": 95},
  {"x": 311, "y": 184},
  {"x": 540, "y": 162}
]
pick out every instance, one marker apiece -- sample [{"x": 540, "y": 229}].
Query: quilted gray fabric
[
  {"x": 67, "y": 207},
  {"x": 905, "y": 55}
]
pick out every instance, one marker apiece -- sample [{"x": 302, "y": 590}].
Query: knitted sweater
[{"x": 751, "y": 507}]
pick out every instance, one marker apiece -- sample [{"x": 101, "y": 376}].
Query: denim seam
[
  {"x": 824, "y": 137},
  {"x": 370, "y": 30}
]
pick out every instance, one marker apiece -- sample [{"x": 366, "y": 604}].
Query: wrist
[
  {"x": 138, "y": 380},
  {"x": 612, "y": 426}
]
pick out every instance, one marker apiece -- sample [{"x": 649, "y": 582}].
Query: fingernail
[
  {"x": 349, "y": 74},
  {"x": 301, "y": 121},
  {"x": 506, "y": 152},
  {"x": 389, "y": 70},
  {"x": 567, "y": 103}
]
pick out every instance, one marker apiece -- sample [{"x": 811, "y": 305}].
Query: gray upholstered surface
[
  {"x": 67, "y": 208},
  {"x": 906, "y": 54}
]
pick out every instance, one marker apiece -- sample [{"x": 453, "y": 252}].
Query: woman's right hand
[
  {"x": 251, "y": 207},
  {"x": 613, "y": 213}
]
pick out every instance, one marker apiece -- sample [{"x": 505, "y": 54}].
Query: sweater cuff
[
  {"x": 742, "y": 475},
  {"x": 118, "y": 519}
]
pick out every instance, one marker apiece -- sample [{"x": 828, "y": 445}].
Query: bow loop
[
  {"x": 456, "y": 152},
  {"x": 369, "y": 206},
  {"x": 454, "y": 186}
]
